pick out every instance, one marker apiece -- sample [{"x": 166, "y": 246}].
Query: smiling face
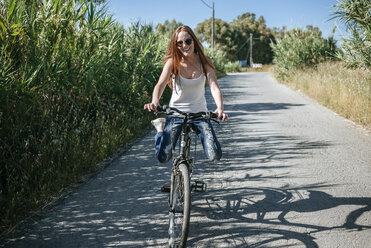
[{"x": 185, "y": 44}]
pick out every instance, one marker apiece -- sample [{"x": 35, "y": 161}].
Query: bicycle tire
[{"x": 180, "y": 207}]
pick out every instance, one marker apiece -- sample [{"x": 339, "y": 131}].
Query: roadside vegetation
[
  {"x": 347, "y": 91},
  {"x": 298, "y": 48},
  {"x": 338, "y": 78},
  {"x": 72, "y": 88},
  {"x": 264, "y": 68},
  {"x": 355, "y": 14},
  {"x": 221, "y": 63}
]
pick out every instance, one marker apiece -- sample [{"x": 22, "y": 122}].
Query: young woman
[{"x": 186, "y": 70}]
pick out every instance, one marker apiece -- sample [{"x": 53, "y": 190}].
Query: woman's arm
[
  {"x": 160, "y": 87},
  {"x": 215, "y": 92}
]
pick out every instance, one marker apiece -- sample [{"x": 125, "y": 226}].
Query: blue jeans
[{"x": 165, "y": 141}]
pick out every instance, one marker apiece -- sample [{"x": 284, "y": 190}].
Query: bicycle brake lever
[
  {"x": 211, "y": 116},
  {"x": 217, "y": 121},
  {"x": 169, "y": 111}
]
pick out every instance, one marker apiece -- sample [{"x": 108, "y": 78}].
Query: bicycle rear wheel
[{"x": 180, "y": 207}]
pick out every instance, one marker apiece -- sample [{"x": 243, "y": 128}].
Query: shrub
[
  {"x": 300, "y": 48},
  {"x": 219, "y": 59},
  {"x": 232, "y": 67},
  {"x": 221, "y": 63}
]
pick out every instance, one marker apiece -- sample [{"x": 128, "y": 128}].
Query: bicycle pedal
[
  {"x": 199, "y": 186},
  {"x": 165, "y": 189}
]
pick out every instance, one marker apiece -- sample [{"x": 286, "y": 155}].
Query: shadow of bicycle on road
[{"x": 256, "y": 217}]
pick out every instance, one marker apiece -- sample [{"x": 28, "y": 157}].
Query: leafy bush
[
  {"x": 232, "y": 67},
  {"x": 355, "y": 51},
  {"x": 219, "y": 59},
  {"x": 299, "y": 48},
  {"x": 72, "y": 88},
  {"x": 221, "y": 63}
]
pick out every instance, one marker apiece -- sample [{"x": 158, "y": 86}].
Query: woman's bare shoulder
[
  {"x": 168, "y": 66},
  {"x": 168, "y": 62}
]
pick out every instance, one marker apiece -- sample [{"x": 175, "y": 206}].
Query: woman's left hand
[{"x": 221, "y": 115}]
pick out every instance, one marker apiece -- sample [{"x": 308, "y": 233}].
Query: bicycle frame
[
  {"x": 182, "y": 167},
  {"x": 184, "y": 146}
]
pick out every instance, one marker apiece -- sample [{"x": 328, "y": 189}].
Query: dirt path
[{"x": 293, "y": 174}]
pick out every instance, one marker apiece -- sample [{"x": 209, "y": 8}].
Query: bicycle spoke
[
  {"x": 179, "y": 214},
  {"x": 178, "y": 209}
]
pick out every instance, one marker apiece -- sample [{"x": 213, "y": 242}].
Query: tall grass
[
  {"x": 72, "y": 87},
  {"x": 346, "y": 91}
]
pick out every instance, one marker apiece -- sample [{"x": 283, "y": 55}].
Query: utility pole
[
  {"x": 212, "y": 25},
  {"x": 251, "y": 38},
  {"x": 251, "y": 62},
  {"x": 212, "y": 30},
  {"x": 248, "y": 50}
]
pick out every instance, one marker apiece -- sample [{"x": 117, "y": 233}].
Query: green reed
[
  {"x": 72, "y": 87},
  {"x": 356, "y": 15}
]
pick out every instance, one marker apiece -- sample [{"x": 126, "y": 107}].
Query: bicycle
[{"x": 182, "y": 168}]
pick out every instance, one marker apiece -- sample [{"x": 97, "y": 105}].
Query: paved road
[{"x": 294, "y": 174}]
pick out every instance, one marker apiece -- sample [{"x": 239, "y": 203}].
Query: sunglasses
[{"x": 187, "y": 41}]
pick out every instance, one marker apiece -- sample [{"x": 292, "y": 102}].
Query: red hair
[{"x": 176, "y": 55}]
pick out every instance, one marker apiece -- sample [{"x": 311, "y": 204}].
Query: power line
[
  {"x": 249, "y": 51},
  {"x": 242, "y": 46},
  {"x": 212, "y": 26},
  {"x": 206, "y": 4}
]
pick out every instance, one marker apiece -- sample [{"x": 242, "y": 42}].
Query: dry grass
[
  {"x": 265, "y": 68},
  {"x": 345, "y": 91}
]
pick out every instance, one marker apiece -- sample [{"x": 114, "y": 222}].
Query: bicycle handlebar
[{"x": 203, "y": 115}]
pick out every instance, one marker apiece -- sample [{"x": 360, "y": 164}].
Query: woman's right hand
[{"x": 151, "y": 107}]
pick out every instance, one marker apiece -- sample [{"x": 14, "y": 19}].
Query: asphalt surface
[{"x": 293, "y": 174}]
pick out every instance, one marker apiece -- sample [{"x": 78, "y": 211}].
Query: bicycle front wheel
[{"x": 180, "y": 207}]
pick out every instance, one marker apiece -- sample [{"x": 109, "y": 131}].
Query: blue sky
[{"x": 277, "y": 13}]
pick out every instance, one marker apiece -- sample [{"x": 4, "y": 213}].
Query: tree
[
  {"x": 233, "y": 38},
  {"x": 223, "y": 37},
  {"x": 262, "y": 37},
  {"x": 168, "y": 27}
]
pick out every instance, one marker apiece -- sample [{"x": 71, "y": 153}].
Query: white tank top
[{"x": 189, "y": 94}]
